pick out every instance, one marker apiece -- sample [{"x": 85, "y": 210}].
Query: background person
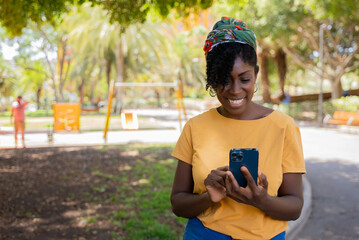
[
  {"x": 204, "y": 190},
  {"x": 18, "y": 112}
]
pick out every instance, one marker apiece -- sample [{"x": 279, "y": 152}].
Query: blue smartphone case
[{"x": 247, "y": 157}]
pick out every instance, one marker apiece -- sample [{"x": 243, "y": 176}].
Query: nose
[{"x": 235, "y": 87}]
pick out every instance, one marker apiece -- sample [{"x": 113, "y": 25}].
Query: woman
[{"x": 204, "y": 190}]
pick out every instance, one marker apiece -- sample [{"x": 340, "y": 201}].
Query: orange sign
[{"x": 67, "y": 116}]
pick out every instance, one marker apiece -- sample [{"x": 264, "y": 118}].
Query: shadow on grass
[{"x": 88, "y": 193}]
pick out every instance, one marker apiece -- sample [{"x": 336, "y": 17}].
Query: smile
[{"x": 237, "y": 101}]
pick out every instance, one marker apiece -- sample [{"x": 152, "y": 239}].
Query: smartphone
[{"x": 247, "y": 157}]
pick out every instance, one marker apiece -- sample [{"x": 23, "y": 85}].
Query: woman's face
[{"x": 236, "y": 96}]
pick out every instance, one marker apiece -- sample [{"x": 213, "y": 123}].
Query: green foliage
[
  {"x": 8, "y": 78},
  {"x": 348, "y": 104},
  {"x": 129, "y": 12},
  {"x": 337, "y": 10},
  {"x": 16, "y": 14}
]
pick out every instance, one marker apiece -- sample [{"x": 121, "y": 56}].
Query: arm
[
  {"x": 286, "y": 206},
  {"x": 187, "y": 204},
  {"x": 184, "y": 202},
  {"x": 11, "y": 115}
]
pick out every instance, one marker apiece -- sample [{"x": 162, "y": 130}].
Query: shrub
[{"x": 348, "y": 104}]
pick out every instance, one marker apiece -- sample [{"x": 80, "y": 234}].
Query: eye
[{"x": 245, "y": 80}]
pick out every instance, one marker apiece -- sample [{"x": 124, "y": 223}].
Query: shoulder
[
  {"x": 202, "y": 121},
  {"x": 204, "y": 117},
  {"x": 284, "y": 122},
  {"x": 276, "y": 118},
  {"x": 284, "y": 118}
]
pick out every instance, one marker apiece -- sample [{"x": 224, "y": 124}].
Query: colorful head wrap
[{"x": 229, "y": 30}]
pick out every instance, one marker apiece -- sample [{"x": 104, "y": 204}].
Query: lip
[{"x": 236, "y": 102}]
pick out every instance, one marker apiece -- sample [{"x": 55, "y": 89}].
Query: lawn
[{"x": 105, "y": 192}]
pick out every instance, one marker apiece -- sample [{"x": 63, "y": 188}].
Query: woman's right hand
[{"x": 215, "y": 184}]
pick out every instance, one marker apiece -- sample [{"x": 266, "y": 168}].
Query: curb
[{"x": 295, "y": 226}]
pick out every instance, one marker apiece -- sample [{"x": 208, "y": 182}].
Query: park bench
[
  {"x": 90, "y": 109},
  {"x": 343, "y": 118}
]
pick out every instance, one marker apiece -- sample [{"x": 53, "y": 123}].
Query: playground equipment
[
  {"x": 129, "y": 121},
  {"x": 67, "y": 116}
]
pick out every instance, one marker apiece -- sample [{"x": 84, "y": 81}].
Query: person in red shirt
[{"x": 18, "y": 112}]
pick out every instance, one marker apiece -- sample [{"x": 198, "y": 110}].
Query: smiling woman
[
  {"x": 236, "y": 89},
  {"x": 204, "y": 189}
]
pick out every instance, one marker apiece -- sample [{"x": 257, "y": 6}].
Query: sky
[{"x": 8, "y": 52}]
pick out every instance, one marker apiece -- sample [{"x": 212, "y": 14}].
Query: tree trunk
[
  {"x": 38, "y": 93},
  {"x": 81, "y": 90},
  {"x": 158, "y": 97},
  {"x": 120, "y": 72},
  {"x": 108, "y": 72},
  {"x": 54, "y": 88},
  {"x": 280, "y": 58},
  {"x": 60, "y": 64},
  {"x": 336, "y": 85},
  {"x": 263, "y": 61}
]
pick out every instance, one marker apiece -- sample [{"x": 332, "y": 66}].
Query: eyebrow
[{"x": 243, "y": 73}]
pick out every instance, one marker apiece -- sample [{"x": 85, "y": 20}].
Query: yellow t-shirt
[{"x": 205, "y": 143}]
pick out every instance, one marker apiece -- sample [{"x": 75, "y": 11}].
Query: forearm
[
  {"x": 284, "y": 208},
  {"x": 190, "y": 205}
]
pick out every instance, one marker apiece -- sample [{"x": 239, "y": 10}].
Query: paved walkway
[{"x": 332, "y": 162}]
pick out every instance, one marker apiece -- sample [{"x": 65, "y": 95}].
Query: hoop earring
[
  {"x": 212, "y": 93},
  {"x": 256, "y": 88}
]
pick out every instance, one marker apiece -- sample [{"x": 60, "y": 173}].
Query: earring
[
  {"x": 212, "y": 93},
  {"x": 256, "y": 88}
]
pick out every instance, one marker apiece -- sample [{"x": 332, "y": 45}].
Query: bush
[{"x": 348, "y": 104}]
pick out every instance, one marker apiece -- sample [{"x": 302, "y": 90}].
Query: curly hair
[{"x": 220, "y": 61}]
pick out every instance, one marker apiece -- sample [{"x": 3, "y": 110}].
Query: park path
[{"x": 332, "y": 162}]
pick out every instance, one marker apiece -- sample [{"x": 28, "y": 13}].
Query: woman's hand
[
  {"x": 252, "y": 195},
  {"x": 215, "y": 184}
]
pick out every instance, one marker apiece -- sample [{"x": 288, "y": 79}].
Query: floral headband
[{"x": 229, "y": 30}]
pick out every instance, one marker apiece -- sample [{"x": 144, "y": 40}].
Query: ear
[{"x": 256, "y": 70}]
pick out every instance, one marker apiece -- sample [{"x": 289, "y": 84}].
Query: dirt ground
[{"x": 55, "y": 193}]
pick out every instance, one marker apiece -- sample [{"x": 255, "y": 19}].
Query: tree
[
  {"x": 340, "y": 50},
  {"x": 8, "y": 78},
  {"x": 293, "y": 27},
  {"x": 16, "y": 14},
  {"x": 33, "y": 77},
  {"x": 39, "y": 43}
]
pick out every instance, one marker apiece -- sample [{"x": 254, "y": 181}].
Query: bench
[
  {"x": 90, "y": 109},
  {"x": 343, "y": 118}
]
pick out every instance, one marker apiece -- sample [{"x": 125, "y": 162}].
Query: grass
[
  {"x": 144, "y": 192},
  {"x": 103, "y": 192}
]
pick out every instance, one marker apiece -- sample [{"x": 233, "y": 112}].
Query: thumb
[{"x": 263, "y": 179}]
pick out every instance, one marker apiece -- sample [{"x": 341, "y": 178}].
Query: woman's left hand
[{"x": 253, "y": 194}]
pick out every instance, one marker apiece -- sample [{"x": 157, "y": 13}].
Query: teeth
[{"x": 235, "y": 101}]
